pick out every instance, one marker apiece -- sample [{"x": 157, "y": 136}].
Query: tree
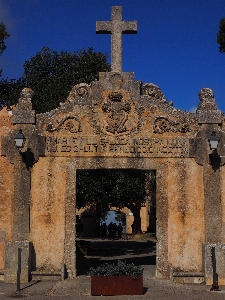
[
  {"x": 3, "y": 35},
  {"x": 115, "y": 188},
  {"x": 221, "y": 36},
  {"x": 52, "y": 75},
  {"x": 10, "y": 90},
  {"x": 120, "y": 217}
]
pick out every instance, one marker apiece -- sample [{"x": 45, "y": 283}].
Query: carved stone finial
[
  {"x": 207, "y": 110},
  {"x": 27, "y": 93},
  {"x": 25, "y": 99},
  {"x": 23, "y": 114},
  {"x": 207, "y": 100}
]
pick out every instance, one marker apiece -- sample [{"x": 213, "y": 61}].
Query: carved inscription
[{"x": 118, "y": 146}]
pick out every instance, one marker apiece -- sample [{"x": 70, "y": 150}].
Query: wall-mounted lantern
[
  {"x": 213, "y": 141},
  {"x": 19, "y": 139}
]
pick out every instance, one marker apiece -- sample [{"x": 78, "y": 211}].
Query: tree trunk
[{"x": 136, "y": 228}]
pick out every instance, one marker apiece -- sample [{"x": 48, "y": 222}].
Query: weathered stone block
[
  {"x": 210, "y": 117},
  {"x": 208, "y": 264},
  {"x": 24, "y": 117},
  {"x": 11, "y": 262}
]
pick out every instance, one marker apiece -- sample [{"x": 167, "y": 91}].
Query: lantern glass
[
  {"x": 19, "y": 139},
  {"x": 213, "y": 141}
]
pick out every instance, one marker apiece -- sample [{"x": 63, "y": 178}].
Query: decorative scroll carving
[
  {"x": 69, "y": 123},
  {"x": 152, "y": 91},
  {"x": 116, "y": 111},
  {"x": 80, "y": 90},
  {"x": 163, "y": 124}
]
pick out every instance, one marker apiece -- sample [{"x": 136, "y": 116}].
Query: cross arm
[
  {"x": 129, "y": 27},
  {"x": 103, "y": 27}
]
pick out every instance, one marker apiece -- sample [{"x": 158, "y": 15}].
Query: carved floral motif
[{"x": 163, "y": 124}]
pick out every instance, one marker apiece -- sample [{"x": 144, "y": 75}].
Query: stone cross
[{"x": 116, "y": 27}]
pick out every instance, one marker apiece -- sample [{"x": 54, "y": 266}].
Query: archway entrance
[{"x": 102, "y": 238}]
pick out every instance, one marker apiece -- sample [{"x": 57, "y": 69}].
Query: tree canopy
[
  {"x": 10, "y": 91},
  {"x": 116, "y": 188},
  {"x": 3, "y": 35},
  {"x": 52, "y": 74},
  {"x": 221, "y": 36}
]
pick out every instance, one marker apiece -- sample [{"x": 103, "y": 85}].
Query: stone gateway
[{"x": 114, "y": 122}]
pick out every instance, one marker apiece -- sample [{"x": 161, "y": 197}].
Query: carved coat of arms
[{"x": 116, "y": 111}]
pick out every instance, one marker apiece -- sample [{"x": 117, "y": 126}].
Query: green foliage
[
  {"x": 121, "y": 269},
  {"x": 120, "y": 217},
  {"x": 52, "y": 75},
  {"x": 3, "y": 35},
  {"x": 104, "y": 215},
  {"x": 10, "y": 90},
  {"x": 116, "y": 188},
  {"x": 221, "y": 36}
]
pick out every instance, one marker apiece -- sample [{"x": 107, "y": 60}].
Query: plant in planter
[{"x": 116, "y": 279}]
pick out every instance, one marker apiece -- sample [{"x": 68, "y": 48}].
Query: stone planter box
[{"x": 116, "y": 285}]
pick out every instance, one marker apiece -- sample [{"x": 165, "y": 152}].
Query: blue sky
[{"x": 175, "y": 47}]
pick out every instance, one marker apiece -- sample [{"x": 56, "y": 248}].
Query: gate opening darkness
[{"x": 129, "y": 190}]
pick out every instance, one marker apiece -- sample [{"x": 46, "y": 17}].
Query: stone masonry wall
[
  {"x": 222, "y": 182},
  {"x": 47, "y": 213},
  {"x": 186, "y": 231},
  {"x": 6, "y": 188}
]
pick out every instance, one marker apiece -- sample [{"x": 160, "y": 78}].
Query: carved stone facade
[{"x": 112, "y": 123}]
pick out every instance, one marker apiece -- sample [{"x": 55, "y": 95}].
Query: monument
[{"x": 114, "y": 122}]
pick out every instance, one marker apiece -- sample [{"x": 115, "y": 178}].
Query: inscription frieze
[{"x": 117, "y": 146}]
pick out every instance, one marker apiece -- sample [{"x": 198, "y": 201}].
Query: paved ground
[{"x": 79, "y": 288}]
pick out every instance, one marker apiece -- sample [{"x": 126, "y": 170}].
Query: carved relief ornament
[
  {"x": 163, "y": 124},
  {"x": 80, "y": 90},
  {"x": 69, "y": 123},
  {"x": 115, "y": 115}
]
